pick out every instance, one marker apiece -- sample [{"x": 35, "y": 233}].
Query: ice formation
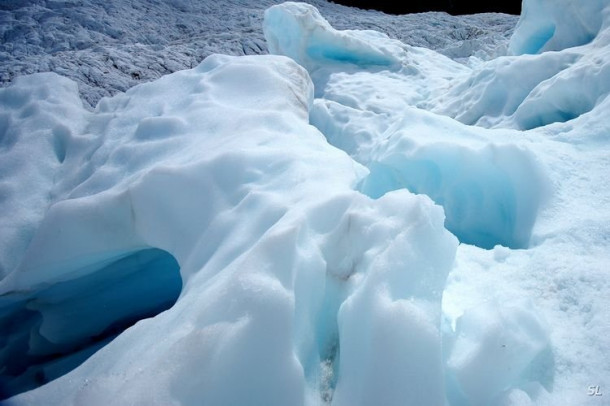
[
  {"x": 305, "y": 228},
  {"x": 225, "y": 176},
  {"x": 554, "y": 25},
  {"x": 530, "y": 91}
]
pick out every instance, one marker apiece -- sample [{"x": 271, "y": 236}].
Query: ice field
[{"x": 347, "y": 220}]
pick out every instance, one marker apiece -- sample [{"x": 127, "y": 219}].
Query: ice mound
[
  {"x": 299, "y": 31},
  {"x": 553, "y": 25},
  {"x": 216, "y": 172},
  {"x": 532, "y": 91}
]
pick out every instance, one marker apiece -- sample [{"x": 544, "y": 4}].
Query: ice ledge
[{"x": 299, "y": 31}]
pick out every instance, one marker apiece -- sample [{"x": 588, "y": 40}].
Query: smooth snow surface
[{"x": 333, "y": 224}]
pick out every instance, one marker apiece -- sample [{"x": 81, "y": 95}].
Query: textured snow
[
  {"x": 332, "y": 224},
  {"x": 494, "y": 346},
  {"x": 108, "y": 47}
]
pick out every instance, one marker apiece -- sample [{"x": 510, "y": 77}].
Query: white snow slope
[{"x": 350, "y": 220}]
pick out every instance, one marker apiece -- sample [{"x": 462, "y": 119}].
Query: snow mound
[{"x": 39, "y": 117}]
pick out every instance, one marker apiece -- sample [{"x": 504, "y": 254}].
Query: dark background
[{"x": 450, "y": 6}]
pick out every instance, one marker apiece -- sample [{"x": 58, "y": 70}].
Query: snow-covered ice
[
  {"x": 352, "y": 220},
  {"x": 108, "y": 47}
]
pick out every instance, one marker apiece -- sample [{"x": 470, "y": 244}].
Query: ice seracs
[
  {"x": 490, "y": 192},
  {"x": 112, "y": 46},
  {"x": 494, "y": 187}
]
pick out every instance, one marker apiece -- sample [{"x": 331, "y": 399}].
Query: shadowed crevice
[{"x": 47, "y": 333}]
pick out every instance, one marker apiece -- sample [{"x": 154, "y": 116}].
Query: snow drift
[{"x": 281, "y": 229}]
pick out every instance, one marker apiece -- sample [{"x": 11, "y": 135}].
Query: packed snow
[{"x": 349, "y": 220}]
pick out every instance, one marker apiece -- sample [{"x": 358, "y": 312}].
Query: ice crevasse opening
[
  {"x": 55, "y": 328},
  {"x": 252, "y": 226}
]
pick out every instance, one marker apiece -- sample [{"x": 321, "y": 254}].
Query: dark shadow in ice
[
  {"x": 327, "y": 337},
  {"x": 47, "y": 333}
]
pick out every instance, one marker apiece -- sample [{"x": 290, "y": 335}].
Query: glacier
[
  {"x": 111, "y": 46},
  {"x": 349, "y": 220}
]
